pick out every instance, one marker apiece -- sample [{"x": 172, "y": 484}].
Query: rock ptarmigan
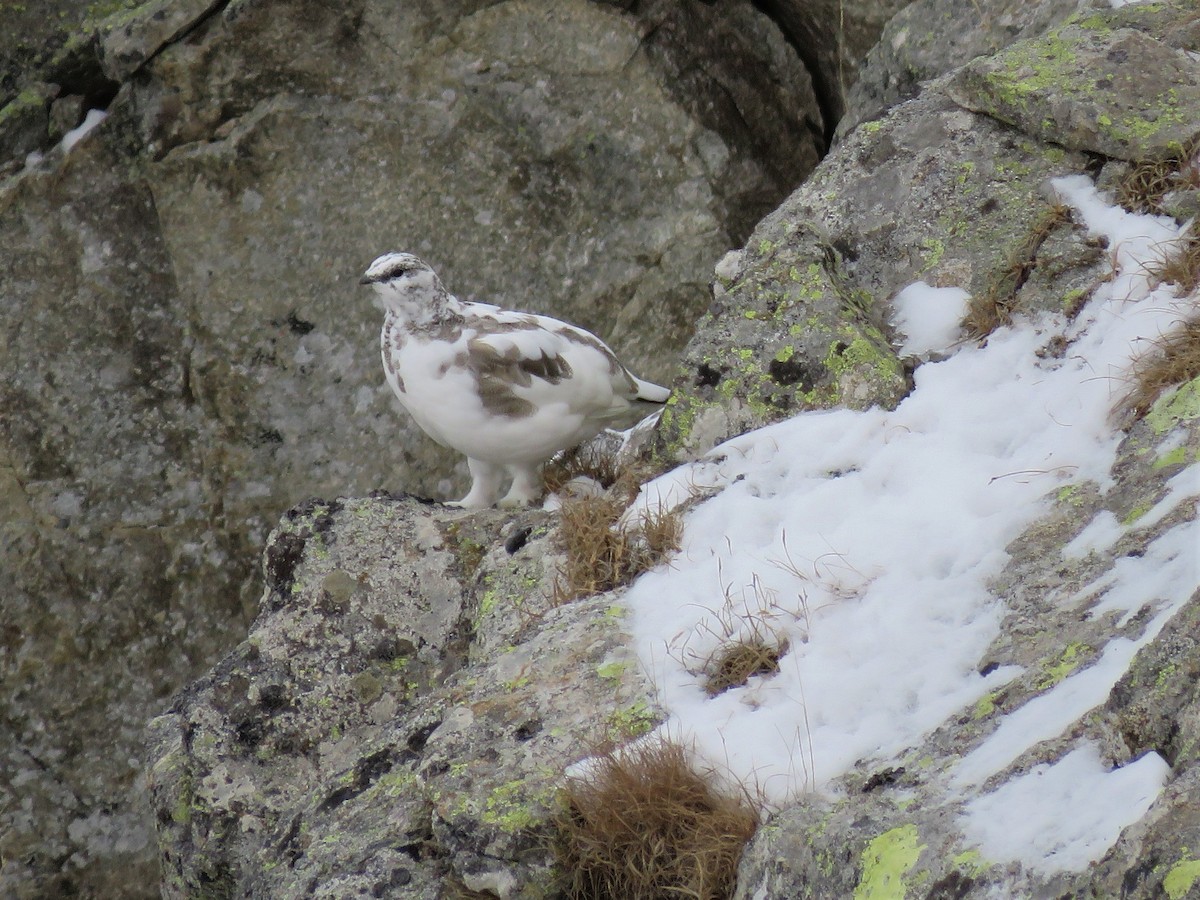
[{"x": 507, "y": 389}]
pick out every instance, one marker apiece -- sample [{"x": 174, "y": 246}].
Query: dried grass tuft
[
  {"x": 1175, "y": 360},
  {"x": 580, "y": 462},
  {"x": 643, "y": 825},
  {"x": 603, "y": 554},
  {"x": 992, "y": 308},
  {"x": 1182, "y": 268},
  {"x": 735, "y": 663},
  {"x": 1150, "y": 180}
]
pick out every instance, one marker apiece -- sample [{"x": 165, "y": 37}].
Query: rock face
[
  {"x": 186, "y": 354},
  {"x": 408, "y": 699},
  {"x": 801, "y": 316},
  {"x": 398, "y": 718},
  {"x": 928, "y": 38},
  {"x": 187, "y": 351}
]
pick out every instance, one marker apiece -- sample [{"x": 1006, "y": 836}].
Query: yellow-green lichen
[
  {"x": 507, "y": 808},
  {"x": 1137, "y": 512},
  {"x": 1181, "y": 405},
  {"x": 396, "y": 782},
  {"x": 182, "y": 813},
  {"x": 862, "y": 354},
  {"x": 1181, "y": 878},
  {"x": 1165, "y": 675},
  {"x": 971, "y": 862},
  {"x": 934, "y": 251},
  {"x": 1177, "y": 457},
  {"x": 1033, "y": 67},
  {"x": 886, "y": 861},
  {"x": 1070, "y": 659},
  {"x": 1069, "y": 494},
  {"x": 612, "y": 671},
  {"x": 985, "y": 706},
  {"x": 632, "y": 721}
]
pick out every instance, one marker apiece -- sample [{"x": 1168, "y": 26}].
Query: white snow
[
  {"x": 93, "y": 118},
  {"x": 865, "y": 541},
  {"x": 1164, "y": 577},
  {"x": 1101, "y": 533},
  {"x": 1059, "y": 817},
  {"x": 929, "y": 317}
]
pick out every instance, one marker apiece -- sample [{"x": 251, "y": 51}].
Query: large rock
[
  {"x": 833, "y": 37},
  {"x": 928, "y": 38},
  {"x": 1074, "y": 85},
  {"x": 801, "y": 315},
  {"x": 121, "y": 577},
  {"x": 358, "y": 741},
  {"x": 188, "y": 351}
]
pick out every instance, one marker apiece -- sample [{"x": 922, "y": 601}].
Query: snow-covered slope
[{"x": 867, "y": 543}]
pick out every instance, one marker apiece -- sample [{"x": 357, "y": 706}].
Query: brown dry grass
[
  {"x": 601, "y": 554},
  {"x": 1182, "y": 268},
  {"x": 993, "y": 307},
  {"x": 579, "y": 462},
  {"x": 1149, "y": 181},
  {"x": 643, "y": 825},
  {"x": 733, "y": 664},
  {"x": 1175, "y": 360}
]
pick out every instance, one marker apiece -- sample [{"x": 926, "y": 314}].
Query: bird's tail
[{"x": 650, "y": 392}]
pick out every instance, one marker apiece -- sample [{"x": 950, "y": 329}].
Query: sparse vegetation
[
  {"x": 1149, "y": 181},
  {"x": 745, "y": 642},
  {"x": 643, "y": 825},
  {"x": 580, "y": 463},
  {"x": 993, "y": 307},
  {"x": 1175, "y": 360},
  {"x": 602, "y": 553},
  {"x": 1182, "y": 268},
  {"x": 734, "y": 663}
]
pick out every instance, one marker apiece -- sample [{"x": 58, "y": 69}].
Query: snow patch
[
  {"x": 1062, "y": 816},
  {"x": 865, "y": 541},
  {"x": 929, "y": 317},
  {"x": 93, "y": 118}
]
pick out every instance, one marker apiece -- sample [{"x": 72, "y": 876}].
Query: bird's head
[{"x": 406, "y": 285}]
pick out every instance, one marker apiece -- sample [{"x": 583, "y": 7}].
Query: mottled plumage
[{"x": 507, "y": 389}]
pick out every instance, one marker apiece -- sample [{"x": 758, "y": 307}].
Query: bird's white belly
[{"x": 446, "y": 403}]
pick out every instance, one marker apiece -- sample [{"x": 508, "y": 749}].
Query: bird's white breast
[{"x": 457, "y": 391}]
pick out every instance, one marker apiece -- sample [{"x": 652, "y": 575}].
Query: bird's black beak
[{"x": 366, "y": 279}]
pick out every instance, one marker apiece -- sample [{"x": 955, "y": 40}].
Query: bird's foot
[
  {"x": 510, "y": 502},
  {"x": 526, "y": 486}
]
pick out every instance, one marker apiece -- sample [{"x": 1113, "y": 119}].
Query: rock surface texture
[
  {"x": 398, "y": 718},
  {"x": 186, "y": 354},
  {"x": 187, "y": 351}
]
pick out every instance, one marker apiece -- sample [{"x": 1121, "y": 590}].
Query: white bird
[{"x": 507, "y": 389}]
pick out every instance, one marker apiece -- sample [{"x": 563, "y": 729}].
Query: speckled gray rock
[
  {"x": 801, "y": 319},
  {"x": 398, "y": 719},
  {"x": 119, "y": 581},
  {"x": 1091, "y": 84},
  {"x": 928, "y": 38},
  {"x": 187, "y": 351}
]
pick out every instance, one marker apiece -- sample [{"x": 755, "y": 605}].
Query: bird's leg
[
  {"x": 526, "y": 485},
  {"x": 485, "y": 484}
]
